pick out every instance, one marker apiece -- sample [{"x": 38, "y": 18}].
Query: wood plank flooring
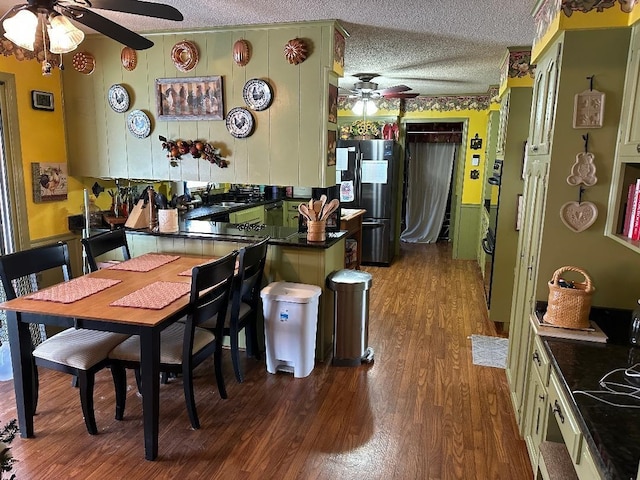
[{"x": 422, "y": 410}]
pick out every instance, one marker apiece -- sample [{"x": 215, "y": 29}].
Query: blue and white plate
[{"x": 139, "y": 124}]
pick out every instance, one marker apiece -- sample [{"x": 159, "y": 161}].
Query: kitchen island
[{"x": 290, "y": 257}]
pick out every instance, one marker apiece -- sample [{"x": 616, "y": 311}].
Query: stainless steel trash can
[{"x": 350, "y": 317}]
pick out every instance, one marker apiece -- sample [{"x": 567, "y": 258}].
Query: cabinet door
[
  {"x": 545, "y": 87},
  {"x": 630, "y": 118},
  {"x": 502, "y": 128},
  {"x": 535, "y": 425},
  {"x": 523, "y": 303}
]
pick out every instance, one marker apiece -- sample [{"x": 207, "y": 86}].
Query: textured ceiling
[{"x": 434, "y": 47}]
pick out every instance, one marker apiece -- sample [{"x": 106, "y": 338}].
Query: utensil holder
[
  {"x": 168, "y": 220},
  {"x": 316, "y": 230}
]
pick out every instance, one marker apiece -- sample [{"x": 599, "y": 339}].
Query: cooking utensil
[
  {"x": 304, "y": 211},
  {"x": 317, "y": 208},
  {"x": 331, "y": 207},
  {"x": 323, "y": 201}
]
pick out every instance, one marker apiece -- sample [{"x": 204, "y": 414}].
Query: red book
[
  {"x": 628, "y": 214},
  {"x": 635, "y": 221}
]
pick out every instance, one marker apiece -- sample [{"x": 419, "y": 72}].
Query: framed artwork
[
  {"x": 42, "y": 100},
  {"x": 331, "y": 147},
  {"x": 50, "y": 182},
  {"x": 197, "y": 98},
  {"x": 333, "y": 103}
]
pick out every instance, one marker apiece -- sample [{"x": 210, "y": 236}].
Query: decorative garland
[{"x": 197, "y": 149}]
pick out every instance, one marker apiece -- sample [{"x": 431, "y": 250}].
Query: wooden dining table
[{"x": 95, "y": 312}]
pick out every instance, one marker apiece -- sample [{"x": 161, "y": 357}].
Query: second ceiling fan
[{"x": 366, "y": 89}]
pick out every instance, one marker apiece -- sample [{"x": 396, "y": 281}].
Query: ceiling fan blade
[
  {"x": 401, "y": 95},
  {"x": 395, "y": 89},
  {"x": 106, "y": 27},
  {"x": 137, "y": 7}
]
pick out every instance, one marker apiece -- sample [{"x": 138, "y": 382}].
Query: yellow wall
[{"x": 42, "y": 139}]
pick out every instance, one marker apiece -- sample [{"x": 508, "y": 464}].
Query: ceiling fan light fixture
[
  {"x": 21, "y": 29},
  {"x": 64, "y": 37},
  {"x": 364, "y": 106}
]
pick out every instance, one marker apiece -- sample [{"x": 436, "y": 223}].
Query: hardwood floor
[{"x": 422, "y": 410}]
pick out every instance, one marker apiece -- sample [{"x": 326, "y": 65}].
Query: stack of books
[{"x": 631, "y": 226}]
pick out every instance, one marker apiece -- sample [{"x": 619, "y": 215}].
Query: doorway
[{"x": 427, "y": 198}]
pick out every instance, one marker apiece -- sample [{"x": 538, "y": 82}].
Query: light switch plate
[{"x": 475, "y": 160}]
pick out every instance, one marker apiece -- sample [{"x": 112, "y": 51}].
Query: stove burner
[{"x": 256, "y": 227}]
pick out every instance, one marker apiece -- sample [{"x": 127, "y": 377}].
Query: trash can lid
[
  {"x": 290, "y": 292},
  {"x": 349, "y": 280}
]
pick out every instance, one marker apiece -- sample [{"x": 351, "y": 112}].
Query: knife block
[{"x": 139, "y": 216}]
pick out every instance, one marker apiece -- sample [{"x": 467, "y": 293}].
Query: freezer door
[{"x": 377, "y": 245}]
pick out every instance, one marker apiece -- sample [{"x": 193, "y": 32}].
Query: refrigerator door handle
[
  {"x": 373, "y": 224},
  {"x": 359, "y": 157}
]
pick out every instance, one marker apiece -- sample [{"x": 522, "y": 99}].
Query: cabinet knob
[
  {"x": 638, "y": 148},
  {"x": 541, "y": 398},
  {"x": 534, "y": 148},
  {"x": 536, "y": 358},
  {"x": 558, "y": 411}
]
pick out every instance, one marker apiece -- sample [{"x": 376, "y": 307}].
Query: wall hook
[
  {"x": 586, "y": 142},
  {"x": 590, "y": 78}
]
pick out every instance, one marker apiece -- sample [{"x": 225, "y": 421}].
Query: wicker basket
[{"x": 569, "y": 307}]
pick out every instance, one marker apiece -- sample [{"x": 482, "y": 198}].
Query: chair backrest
[
  {"x": 211, "y": 285},
  {"x": 252, "y": 260},
  {"x": 102, "y": 243},
  {"x": 35, "y": 260}
]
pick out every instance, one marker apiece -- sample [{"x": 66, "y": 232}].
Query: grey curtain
[{"x": 430, "y": 167}]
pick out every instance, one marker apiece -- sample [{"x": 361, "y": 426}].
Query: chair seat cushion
[
  {"x": 171, "y": 340},
  {"x": 211, "y": 323},
  {"x": 78, "y": 348}
]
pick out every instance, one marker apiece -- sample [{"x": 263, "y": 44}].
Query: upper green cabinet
[
  {"x": 545, "y": 88},
  {"x": 287, "y": 144}
]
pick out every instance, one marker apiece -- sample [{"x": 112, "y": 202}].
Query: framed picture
[
  {"x": 331, "y": 147},
  {"x": 197, "y": 98},
  {"x": 49, "y": 182},
  {"x": 42, "y": 100},
  {"x": 333, "y": 104}
]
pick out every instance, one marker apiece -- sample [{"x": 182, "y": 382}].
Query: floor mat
[{"x": 489, "y": 351}]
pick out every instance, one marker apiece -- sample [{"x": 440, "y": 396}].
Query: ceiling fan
[
  {"x": 366, "y": 89},
  {"x": 79, "y": 11}
]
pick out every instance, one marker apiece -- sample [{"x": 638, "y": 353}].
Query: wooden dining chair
[
  {"x": 245, "y": 303},
  {"x": 111, "y": 241},
  {"x": 183, "y": 346},
  {"x": 79, "y": 352}
]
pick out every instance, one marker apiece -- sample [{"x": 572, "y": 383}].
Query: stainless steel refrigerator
[{"x": 367, "y": 174}]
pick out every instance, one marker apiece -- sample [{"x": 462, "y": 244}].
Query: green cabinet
[
  {"x": 545, "y": 88},
  {"x": 291, "y": 214},
  {"x": 248, "y": 215},
  {"x": 514, "y": 123}
]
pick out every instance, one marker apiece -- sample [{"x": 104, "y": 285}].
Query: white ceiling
[{"x": 434, "y": 47}]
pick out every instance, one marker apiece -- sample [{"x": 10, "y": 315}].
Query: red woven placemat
[
  {"x": 155, "y": 296},
  {"x": 73, "y": 290},
  {"x": 187, "y": 273},
  {"x": 144, "y": 263}
]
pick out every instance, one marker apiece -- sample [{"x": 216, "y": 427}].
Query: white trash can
[{"x": 290, "y": 325}]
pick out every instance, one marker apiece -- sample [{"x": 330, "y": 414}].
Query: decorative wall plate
[
  {"x": 257, "y": 94},
  {"x": 588, "y": 109},
  {"x": 578, "y": 216},
  {"x": 185, "y": 56},
  {"x": 139, "y": 124},
  {"x": 118, "y": 98},
  {"x": 84, "y": 62},
  {"x": 239, "y": 122},
  {"x": 295, "y": 51},
  {"x": 241, "y": 53},
  {"x": 129, "y": 58},
  {"x": 583, "y": 171}
]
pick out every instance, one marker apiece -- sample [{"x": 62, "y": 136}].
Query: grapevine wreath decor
[{"x": 197, "y": 149}]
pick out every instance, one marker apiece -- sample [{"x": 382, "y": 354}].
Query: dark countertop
[
  {"x": 612, "y": 433},
  {"x": 284, "y": 236}
]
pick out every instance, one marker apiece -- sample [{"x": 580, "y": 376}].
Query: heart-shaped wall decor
[{"x": 578, "y": 216}]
